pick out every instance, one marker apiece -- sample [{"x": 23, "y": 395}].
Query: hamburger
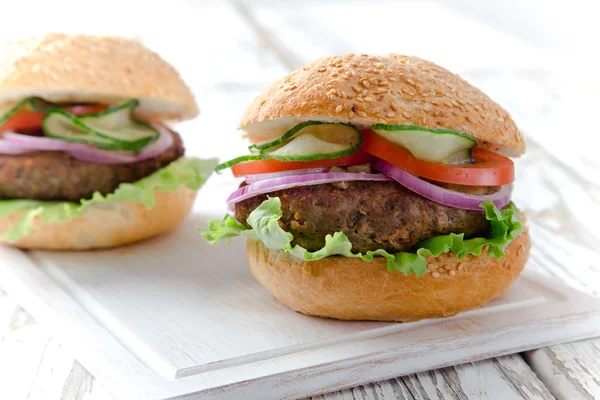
[
  {"x": 377, "y": 188},
  {"x": 87, "y": 159}
]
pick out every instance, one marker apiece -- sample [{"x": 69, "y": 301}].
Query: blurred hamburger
[
  {"x": 378, "y": 188},
  {"x": 87, "y": 159}
]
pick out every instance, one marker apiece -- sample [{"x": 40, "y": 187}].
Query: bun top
[
  {"x": 82, "y": 68},
  {"x": 393, "y": 89}
]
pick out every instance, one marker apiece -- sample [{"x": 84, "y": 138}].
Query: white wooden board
[{"x": 176, "y": 317}]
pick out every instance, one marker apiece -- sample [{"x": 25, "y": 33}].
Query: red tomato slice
[
  {"x": 33, "y": 119},
  {"x": 268, "y": 166},
  {"x": 489, "y": 169}
]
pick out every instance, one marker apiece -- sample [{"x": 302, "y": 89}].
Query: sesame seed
[
  {"x": 334, "y": 75},
  {"x": 441, "y": 270},
  {"x": 392, "y": 79},
  {"x": 364, "y": 92},
  {"x": 368, "y": 99},
  {"x": 332, "y": 97},
  {"x": 390, "y": 115},
  {"x": 452, "y": 273},
  {"x": 459, "y": 101},
  {"x": 340, "y": 70},
  {"x": 408, "y": 91},
  {"x": 448, "y": 104},
  {"x": 339, "y": 108},
  {"x": 469, "y": 118},
  {"x": 361, "y": 114},
  {"x": 406, "y": 114},
  {"x": 376, "y": 110},
  {"x": 485, "y": 106},
  {"x": 350, "y": 114},
  {"x": 436, "y": 113},
  {"x": 410, "y": 82},
  {"x": 435, "y": 274},
  {"x": 359, "y": 98},
  {"x": 365, "y": 83},
  {"x": 394, "y": 107},
  {"x": 322, "y": 69},
  {"x": 356, "y": 88},
  {"x": 500, "y": 119},
  {"x": 344, "y": 95},
  {"x": 520, "y": 251},
  {"x": 435, "y": 102}
]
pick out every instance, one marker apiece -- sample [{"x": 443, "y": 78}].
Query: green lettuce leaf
[
  {"x": 505, "y": 227},
  {"x": 191, "y": 172}
]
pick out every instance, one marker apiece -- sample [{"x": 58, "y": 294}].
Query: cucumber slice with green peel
[
  {"x": 237, "y": 160},
  {"x": 118, "y": 124},
  {"x": 318, "y": 141},
  {"x": 435, "y": 145},
  {"x": 28, "y": 104},
  {"x": 341, "y": 140},
  {"x": 61, "y": 125},
  {"x": 307, "y": 147},
  {"x": 327, "y": 131},
  {"x": 113, "y": 128}
]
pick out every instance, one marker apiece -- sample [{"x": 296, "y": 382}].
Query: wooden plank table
[{"x": 230, "y": 51}]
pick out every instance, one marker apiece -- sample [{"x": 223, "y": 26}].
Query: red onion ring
[
  {"x": 441, "y": 195},
  {"x": 287, "y": 182},
  {"x": 12, "y": 149},
  {"x": 89, "y": 153},
  {"x": 271, "y": 175}
]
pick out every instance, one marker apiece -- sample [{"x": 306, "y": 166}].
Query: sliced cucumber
[
  {"x": 237, "y": 160},
  {"x": 436, "y": 145},
  {"x": 118, "y": 124},
  {"x": 28, "y": 104},
  {"x": 327, "y": 131},
  {"x": 308, "y": 147},
  {"x": 60, "y": 124},
  {"x": 311, "y": 141},
  {"x": 317, "y": 142},
  {"x": 114, "y": 127}
]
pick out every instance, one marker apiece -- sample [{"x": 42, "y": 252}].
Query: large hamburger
[
  {"x": 86, "y": 157},
  {"x": 378, "y": 188}
]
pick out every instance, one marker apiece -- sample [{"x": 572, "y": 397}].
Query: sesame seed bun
[
  {"x": 96, "y": 69},
  {"x": 394, "y": 89},
  {"x": 352, "y": 289},
  {"x": 107, "y": 225}
]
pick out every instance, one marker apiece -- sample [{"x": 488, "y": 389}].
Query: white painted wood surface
[
  {"x": 558, "y": 187},
  {"x": 175, "y": 316}
]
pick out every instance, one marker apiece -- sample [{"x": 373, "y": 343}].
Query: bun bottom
[
  {"x": 352, "y": 289},
  {"x": 108, "y": 225}
]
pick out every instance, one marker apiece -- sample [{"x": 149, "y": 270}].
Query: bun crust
[
  {"x": 394, "y": 89},
  {"x": 352, "y": 289},
  {"x": 104, "y": 226},
  {"x": 82, "y": 68}
]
